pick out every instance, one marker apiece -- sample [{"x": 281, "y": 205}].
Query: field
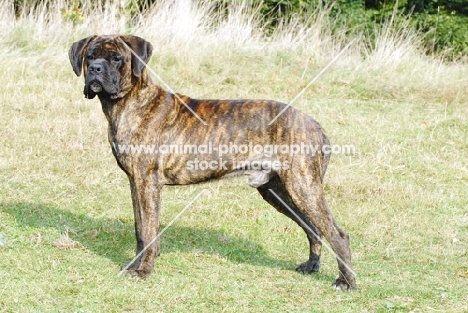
[{"x": 66, "y": 221}]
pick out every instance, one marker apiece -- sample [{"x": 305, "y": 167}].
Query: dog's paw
[
  {"x": 309, "y": 266},
  {"x": 341, "y": 284},
  {"x": 138, "y": 273}
]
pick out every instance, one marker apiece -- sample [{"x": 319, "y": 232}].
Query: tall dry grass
[{"x": 193, "y": 31}]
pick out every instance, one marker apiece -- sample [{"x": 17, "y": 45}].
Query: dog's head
[{"x": 111, "y": 64}]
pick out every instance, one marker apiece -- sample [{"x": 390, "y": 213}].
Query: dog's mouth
[{"x": 96, "y": 87}]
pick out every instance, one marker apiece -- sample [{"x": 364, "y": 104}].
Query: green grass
[{"x": 66, "y": 221}]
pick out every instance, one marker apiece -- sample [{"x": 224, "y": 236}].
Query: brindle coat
[{"x": 141, "y": 113}]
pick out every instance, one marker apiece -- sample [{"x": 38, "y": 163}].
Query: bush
[{"x": 443, "y": 24}]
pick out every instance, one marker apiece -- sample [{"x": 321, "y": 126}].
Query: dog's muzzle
[{"x": 99, "y": 79}]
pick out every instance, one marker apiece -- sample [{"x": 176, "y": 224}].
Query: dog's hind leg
[
  {"x": 307, "y": 193},
  {"x": 315, "y": 243}
]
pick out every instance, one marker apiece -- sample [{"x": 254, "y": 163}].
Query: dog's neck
[
  {"x": 112, "y": 108},
  {"x": 144, "y": 97}
]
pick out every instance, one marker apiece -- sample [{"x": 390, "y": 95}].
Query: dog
[{"x": 141, "y": 113}]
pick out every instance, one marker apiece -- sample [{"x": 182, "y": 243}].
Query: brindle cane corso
[{"x": 141, "y": 113}]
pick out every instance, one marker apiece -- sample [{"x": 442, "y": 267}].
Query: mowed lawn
[{"x": 66, "y": 219}]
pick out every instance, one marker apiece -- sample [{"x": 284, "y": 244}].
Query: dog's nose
[{"x": 96, "y": 68}]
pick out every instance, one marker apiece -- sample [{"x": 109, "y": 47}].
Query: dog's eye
[
  {"x": 90, "y": 57},
  {"x": 116, "y": 58}
]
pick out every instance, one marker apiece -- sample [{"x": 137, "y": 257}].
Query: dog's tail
[{"x": 325, "y": 153}]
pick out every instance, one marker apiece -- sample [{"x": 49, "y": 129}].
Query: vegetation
[
  {"x": 442, "y": 23},
  {"x": 66, "y": 221}
]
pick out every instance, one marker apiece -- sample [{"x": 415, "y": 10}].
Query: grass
[{"x": 65, "y": 210}]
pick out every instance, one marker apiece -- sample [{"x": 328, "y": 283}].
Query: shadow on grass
[{"x": 113, "y": 238}]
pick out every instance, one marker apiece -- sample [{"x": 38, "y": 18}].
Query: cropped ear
[
  {"x": 76, "y": 54},
  {"x": 142, "y": 48}
]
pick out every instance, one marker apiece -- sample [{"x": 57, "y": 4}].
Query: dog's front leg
[{"x": 146, "y": 197}]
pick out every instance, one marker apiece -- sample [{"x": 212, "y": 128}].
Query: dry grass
[
  {"x": 65, "y": 242},
  {"x": 402, "y": 197}
]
